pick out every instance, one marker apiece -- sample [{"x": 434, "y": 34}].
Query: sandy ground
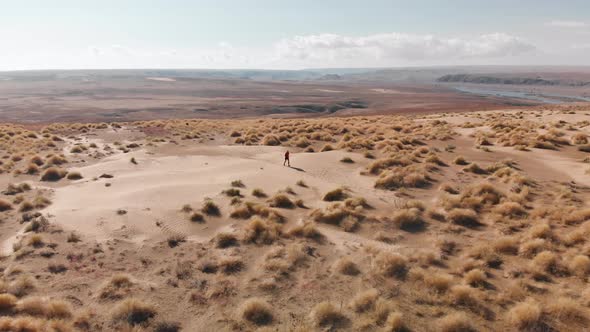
[{"x": 412, "y": 265}]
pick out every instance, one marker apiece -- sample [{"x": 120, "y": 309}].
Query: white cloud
[
  {"x": 399, "y": 46},
  {"x": 568, "y": 24}
]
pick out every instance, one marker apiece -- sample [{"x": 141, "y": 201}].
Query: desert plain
[{"x": 444, "y": 219}]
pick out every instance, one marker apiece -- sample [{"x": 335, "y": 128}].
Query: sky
[{"x": 279, "y": 34}]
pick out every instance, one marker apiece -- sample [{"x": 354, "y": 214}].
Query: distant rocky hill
[{"x": 488, "y": 79}]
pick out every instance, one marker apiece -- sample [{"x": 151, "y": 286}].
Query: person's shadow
[{"x": 297, "y": 169}]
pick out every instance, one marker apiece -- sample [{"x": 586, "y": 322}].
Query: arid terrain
[
  {"x": 36, "y": 97},
  {"x": 446, "y": 220}
]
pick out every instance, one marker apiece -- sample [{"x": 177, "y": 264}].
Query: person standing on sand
[{"x": 287, "y": 159}]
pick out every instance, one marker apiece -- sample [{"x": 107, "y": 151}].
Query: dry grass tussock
[
  {"x": 256, "y": 311},
  {"x": 326, "y": 314},
  {"x": 261, "y": 231},
  {"x": 455, "y": 322},
  {"x": 133, "y": 312}
]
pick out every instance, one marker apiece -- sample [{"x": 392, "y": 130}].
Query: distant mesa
[
  {"x": 330, "y": 77},
  {"x": 488, "y": 79}
]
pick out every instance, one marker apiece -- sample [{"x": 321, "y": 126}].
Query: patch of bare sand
[{"x": 152, "y": 192}]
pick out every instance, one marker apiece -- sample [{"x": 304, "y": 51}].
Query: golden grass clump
[
  {"x": 5, "y": 205},
  {"x": 475, "y": 278},
  {"x": 257, "y": 192},
  {"x": 506, "y": 245},
  {"x": 345, "y": 266},
  {"x": 547, "y": 261},
  {"x": 455, "y": 322},
  {"x": 53, "y": 174},
  {"x": 391, "y": 264},
  {"x": 307, "y": 230},
  {"x": 568, "y": 312},
  {"x": 256, "y": 311},
  {"x": 526, "y": 315},
  {"x": 338, "y": 194},
  {"x": 439, "y": 282},
  {"x": 261, "y": 231},
  {"x": 74, "y": 176},
  {"x": 7, "y": 302},
  {"x": 580, "y": 265},
  {"x": 133, "y": 312},
  {"x": 365, "y": 300},
  {"x": 225, "y": 240},
  {"x": 210, "y": 208},
  {"x": 326, "y": 314},
  {"x": 463, "y": 217},
  {"x": 281, "y": 201},
  {"x": 338, "y": 215},
  {"x": 23, "y": 285},
  {"x": 196, "y": 217},
  {"x": 409, "y": 219},
  {"x": 462, "y": 295}
]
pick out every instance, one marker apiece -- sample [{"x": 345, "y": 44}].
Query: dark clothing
[{"x": 287, "y": 159}]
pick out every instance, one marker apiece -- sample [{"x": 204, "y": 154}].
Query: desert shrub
[
  {"x": 338, "y": 194},
  {"x": 53, "y": 174},
  {"x": 74, "y": 176},
  {"x": 232, "y": 192},
  {"x": 301, "y": 183},
  {"x": 390, "y": 264},
  {"x": 197, "y": 217},
  {"x": 32, "y": 169},
  {"x": 307, "y": 230},
  {"x": 5, "y": 205},
  {"x": 210, "y": 208},
  {"x": 133, "y": 312},
  {"x": 462, "y": 295},
  {"x": 167, "y": 326},
  {"x": 7, "y": 302},
  {"x": 327, "y": 147},
  {"x": 580, "y": 265},
  {"x": 257, "y": 192},
  {"x": 408, "y": 219},
  {"x": 547, "y": 261},
  {"x": 347, "y": 160},
  {"x": 365, "y": 300},
  {"x": 579, "y": 138},
  {"x": 394, "y": 322},
  {"x": 345, "y": 266},
  {"x": 271, "y": 140},
  {"x": 281, "y": 201},
  {"x": 475, "y": 278},
  {"x": 261, "y": 231},
  {"x": 26, "y": 206},
  {"x": 532, "y": 247},
  {"x": 256, "y": 311},
  {"x": 463, "y": 217},
  {"x": 526, "y": 315},
  {"x": 238, "y": 184},
  {"x": 231, "y": 265},
  {"x": 455, "y": 322},
  {"x": 475, "y": 168},
  {"x": 23, "y": 285},
  {"x": 460, "y": 161},
  {"x": 225, "y": 240},
  {"x": 37, "y": 161},
  {"x": 326, "y": 314},
  {"x": 568, "y": 312},
  {"x": 506, "y": 245},
  {"x": 175, "y": 240},
  {"x": 577, "y": 217},
  {"x": 337, "y": 215},
  {"x": 438, "y": 282},
  {"x": 510, "y": 209}
]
